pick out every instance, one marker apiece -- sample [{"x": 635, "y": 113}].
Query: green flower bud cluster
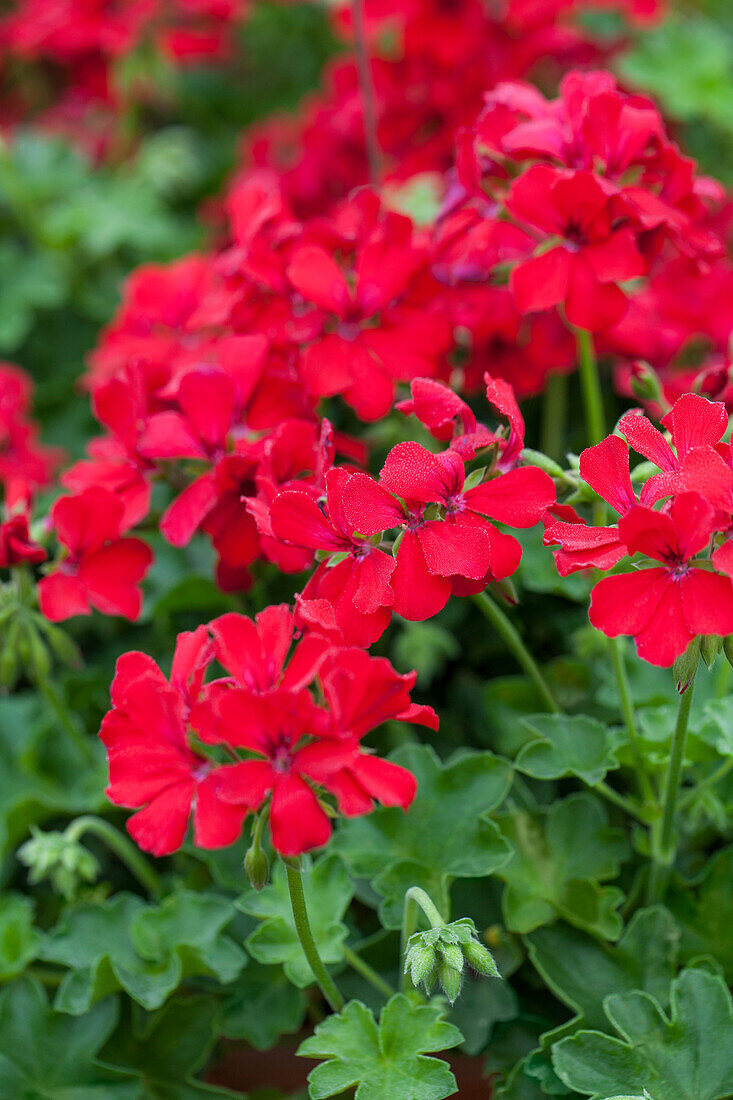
[
  {"x": 64, "y": 862},
  {"x": 29, "y": 641},
  {"x": 439, "y": 955}
]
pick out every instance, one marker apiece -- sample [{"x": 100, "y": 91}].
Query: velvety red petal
[
  {"x": 695, "y": 422},
  {"x": 542, "y": 282},
  {"x": 297, "y": 822},
  {"x": 296, "y": 518},
  {"x": 386, "y": 782},
  {"x": 161, "y": 827},
  {"x": 60, "y": 596},
  {"x": 452, "y": 549},
  {"x": 110, "y": 576},
  {"x": 605, "y": 468},
  {"x": 184, "y": 516},
  {"x": 317, "y": 276},
  {"x": 207, "y": 397},
  {"x": 640, "y": 433},
  {"x": 418, "y": 594},
  {"x": 216, "y": 823},
  {"x": 373, "y": 572},
  {"x": 415, "y": 474},
  {"x": 245, "y": 784},
  {"x": 368, "y": 508},
  {"x": 707, "y": 601},
  {"x": 626, "y": 603},
  {"x": 169, "y": 435},
  {"x": 518, "y": 498},
  {"x": 592, "y": 305}
]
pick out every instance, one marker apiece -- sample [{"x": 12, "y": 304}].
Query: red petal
[
  {"x": 169, "y": 435},
  {"x": 317, "y": 276},
  {"x": 386, "y": 782},
  {"x": 297, "y": 822},
  {"x": 455, "y": 549},
  {"x": 542, "y": 282},
  {"x": 60, "y": 596},
  {"x": 87, "y": 520},
  {"x": 297, "y": 519},
  {"x": 626, "y": 603},
  {"x": 110, "y": 576},
  {"x": 418, "y": 594},
  {"x": 415, "y": 474},
  {"x": 707, "y": 601},
  {"x": 207, "y": 397},
  {"x": 592, "y": 305},
  {"x": 161, "y": 827},
  {"x": 641, "y": 434},
  {"x": 184, "y": 516},
  {"x": 605, "y": 468},
  {"x": 519, "y": 497},
  {"x": 695, "y": 422},
  {"x": 368, "y": 508}
]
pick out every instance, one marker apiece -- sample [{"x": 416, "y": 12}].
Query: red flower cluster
[
  {"x": 431, "y": 62},
  {"x": 595, "y": 188},
  {"x": 443, "y": 540},
  {"x": 689, "y": 593},
  {"x": 83, "y": 48},
  {"x": 261, "y": 738}
]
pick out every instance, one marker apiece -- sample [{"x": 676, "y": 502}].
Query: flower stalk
[
  {"x": 508, "y": 632},
  {"x": 302, "y": 926}
]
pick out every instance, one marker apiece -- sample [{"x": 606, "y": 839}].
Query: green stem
[
  {"x": 620, "y": 800},
  {"x": 705, "y": 784},
  {"x": 368, "y": 95},
  {"x": 302, "y": 927},
  {"x": 664, "y": 843},
  {"x": 51, "y": 696},
  {"x": 357, "y": 963},
  {"x": 415, "y": 897},
  {"x": 627, "y": 706},
  {"x": 133, "y": 859},
  {"x": 554, "y": 415},
  {"x": 508, "y": 632},
  {"x": 590, "y": 384}
]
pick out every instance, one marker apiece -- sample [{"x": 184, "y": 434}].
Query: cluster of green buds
[
  {"x": 60, "y": 858},
  {"x": 29, "y": 641},
  {"x": 439, "y": 955}
]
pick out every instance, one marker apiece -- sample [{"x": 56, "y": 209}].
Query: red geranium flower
[
  {"x": 665, "y": 607},
  {"x": 101, "y": 569}
]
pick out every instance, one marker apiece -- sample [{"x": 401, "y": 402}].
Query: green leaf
[
  {"x": 328, "y": 891},
  {"x": 551, "y": 874},
  {"x": 385, "y": 1061},
  {"x": 445, "y": 834},
  {"x": 43, "y": 1054},
  {"x": 688, "y": 65},
  {"x": 581, "y": 971},
  {"x": 686, "y": 1056},
  {"x": 166, "y": 1049},
  {"x": 145, "y": 950},
  {"x": 705, "y": 913},
  {"x": 577, "y": 745},
  {"x": 43, "y": 774},
  {"x": 263, "y": 1006},
  {"x": 19, "y": 940},
  {"x": 483, "y": 1003}
]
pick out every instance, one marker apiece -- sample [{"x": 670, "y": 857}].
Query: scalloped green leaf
[
  {"x": 385, "y": 1061},
  {"x": 564, "y": 745},
  {"x": 445, "y": 834},
  {"x": 687, "y": 1055},
  {"x": 44, "y": 1054},
  {"x": 146, "y": 950},
  {"x": 552, "y": 875}
]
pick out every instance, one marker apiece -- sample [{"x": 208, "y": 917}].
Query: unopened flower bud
[
  {"x": 728, "y": 648},
  {"x": 481, "y": 959},
  {"x": 710, "y": 648},
  {"x": 450, "y": 981},
  {"x": 685, "y": 666},
  {"x": 453, "y": 955},
  {"x": 422, "y": 962},
  {"x": 645, "y": 383},
  {"x": 256, "y": 867}
]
